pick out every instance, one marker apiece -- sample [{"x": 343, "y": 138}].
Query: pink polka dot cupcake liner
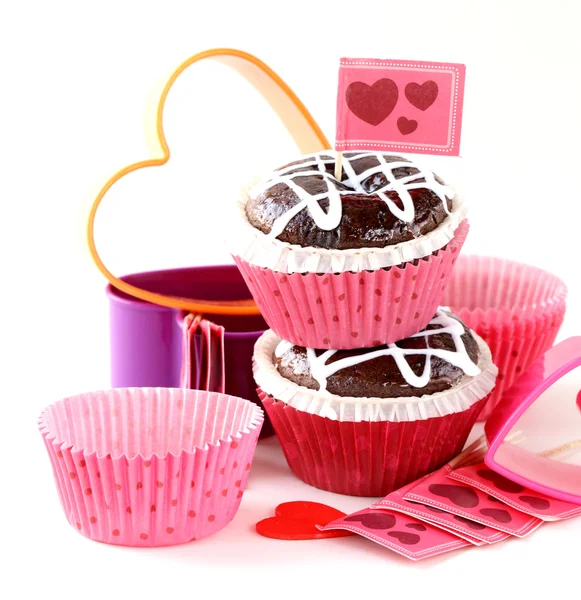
[
  {"x": 353, "y": 309},
  {"x": 516, "y": 308},
  {"x": 150, "y": 467},
  {"x": 365, "y": 458}
]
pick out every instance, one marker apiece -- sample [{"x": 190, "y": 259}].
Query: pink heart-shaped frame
[{"x": 542, "y": 474}]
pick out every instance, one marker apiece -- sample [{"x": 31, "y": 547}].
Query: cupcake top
[
  {"x": 381, "y": 200},
  {"x": 434, "y": 360}
]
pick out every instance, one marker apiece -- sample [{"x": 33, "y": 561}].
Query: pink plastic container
[
  {"x": 353, "y": 310},
  {"x": 520, "y": 448},
  {"x": 150, "y": 467},
  {"x": 147, "y": 339},
  {"x": 516, "y": 308}
]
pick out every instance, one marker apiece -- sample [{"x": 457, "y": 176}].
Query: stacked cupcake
[{"x": 368, "y": 383}]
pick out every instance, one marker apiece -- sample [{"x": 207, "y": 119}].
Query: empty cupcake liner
[
  {"x": 366, "y": 458},
  {"x": 516, "y": 308},
  {"x": 353, "y": 310},
  {"x": 150, "y": 467},
  {"x": 457, "y": 399}
]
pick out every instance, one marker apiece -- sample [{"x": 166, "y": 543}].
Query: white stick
[
  {"x": 339, "y": 166},
  {"x": 477, "y": 448},
  {"x": 575, "y": 445}
]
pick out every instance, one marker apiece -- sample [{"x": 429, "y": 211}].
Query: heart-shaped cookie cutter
[{"x": 294, "y": 115}]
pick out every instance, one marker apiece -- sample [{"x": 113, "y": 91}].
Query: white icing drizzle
[
  {"x": 459, "y": 357},
  {"x": 315, "y": 164},
  {"x": 282, "y": 348}
]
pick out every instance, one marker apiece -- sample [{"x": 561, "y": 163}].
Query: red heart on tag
[
  {"x": 421, "y": 96},
  {"x": 372, "y": 103},
  {"x": 299, "y": 520},
  {"x": 406, "y": 126}
]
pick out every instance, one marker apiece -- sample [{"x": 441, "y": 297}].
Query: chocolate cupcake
[
  {"x": 303, "y": 204},
  {"x": 375, "y": 372},
  {"x": 366, "y": 422},
  {"x": 376, "y": 246}
]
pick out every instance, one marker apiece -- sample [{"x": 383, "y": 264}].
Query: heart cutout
[
  {"x": 498, "y": 514},
  {"x": 421, "y": 96},
  {"x": 409, "y": 539},
  {"x": 374, "y": 520},
  {"x": 298, "y": 521},
  {"x": 460, "y": 495},
  {"x": 372, "y": 103},
  {"x": 416, "y": 526},
  {"x": 535, "y": 502},
  {"x": 502, "y": 483},
  {"x": 406, "y": 126}
]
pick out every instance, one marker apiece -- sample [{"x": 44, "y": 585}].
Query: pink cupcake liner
[
  {"x": 366, "y": 458},
  {"x": 150, "y": 467},
  {"x": 353, "y": 310},
  {"x": 516, "y": 308}
]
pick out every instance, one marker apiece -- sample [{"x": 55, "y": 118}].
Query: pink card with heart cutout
[
  {"x": 400, "y": 106},
  {"x": 514, "y": 494},
  {"x": 398, "y": 532},
  {"x": 461, "y": 500},
  {"x": 475, "y": 533}
]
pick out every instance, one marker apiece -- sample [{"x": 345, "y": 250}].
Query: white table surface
[{"x": 46, "y": 557}]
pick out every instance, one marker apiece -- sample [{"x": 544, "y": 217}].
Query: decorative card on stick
[
  {"x": 475, "y": 533},
  {"x": 471, "y": 504},
  {"x": 400, "y": 106},
  {"x": 399, "y": 532},
  {"x": 514, "y": 494}
]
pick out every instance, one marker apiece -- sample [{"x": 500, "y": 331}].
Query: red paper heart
[
  {"x": 421, "y": 96},
  {"x": 372, "y": 103},
  {"x": 406, "y": 126},
  {"x": 299, "y": 520}
]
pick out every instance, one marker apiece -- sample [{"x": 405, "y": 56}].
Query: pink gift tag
[
  {"x": 398, "y": 532},
  {"x": 472, "y": 504},
  {"x": 402, "y": 106},
  {"x": 473, "y": 532},
  {"x": 515, "y": 495}
]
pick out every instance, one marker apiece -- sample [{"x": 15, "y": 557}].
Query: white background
[{"x": 76, "y": 81}]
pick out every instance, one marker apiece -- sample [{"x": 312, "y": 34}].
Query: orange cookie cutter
[{"x": 294, "y": 115}]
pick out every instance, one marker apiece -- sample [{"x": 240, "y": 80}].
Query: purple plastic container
[{"x": 146, "y": 339}]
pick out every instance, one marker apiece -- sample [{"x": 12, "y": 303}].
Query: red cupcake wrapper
[
  {"x": 516, "y": 308},
  {"x": 353, "y": 310},
  {"x": 366, "y": 458}
]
